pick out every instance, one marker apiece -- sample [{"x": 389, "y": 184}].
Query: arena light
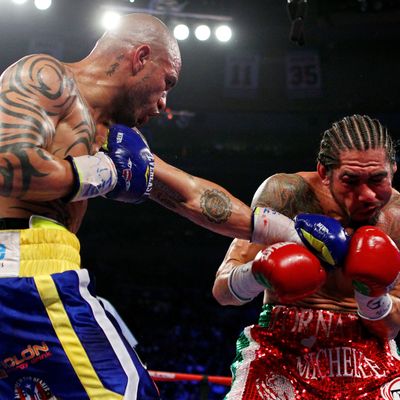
[
  {"x": 202, "y": 32},
  {"x": 223, "y": 33},
  {"x": 181, "y": 32},
  {"x": 19, "y": 1},
  {"x": 110, "y": 19},
  {"x": 42, "y": 4}
]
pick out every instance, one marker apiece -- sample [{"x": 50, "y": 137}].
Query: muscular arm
[
  {"x": 286, "y": 193},
  {"x": 203, "y": 202},
  {"x": 389, "y": 327},
  {"x": 239, "y": 252},
  {"x": 34, "y": 95}
]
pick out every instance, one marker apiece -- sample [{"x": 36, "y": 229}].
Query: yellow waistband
[
  {"x": 47, "y": 251},
  {"x": 45, "y": 248}
]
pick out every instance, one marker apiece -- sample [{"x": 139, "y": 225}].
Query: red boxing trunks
[{"x": 295, "y": 353}]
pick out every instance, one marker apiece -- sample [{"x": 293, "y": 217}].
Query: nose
[
  {"x": 366, "y": 194},
  {"x": 162, "y": 102}
]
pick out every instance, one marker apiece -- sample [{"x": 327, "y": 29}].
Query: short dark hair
[{"x": 358, "y": 132}]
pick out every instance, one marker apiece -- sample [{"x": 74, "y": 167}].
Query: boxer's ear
[
  {"x": 139, "y": 56},
  {"x": 394, "y": 168},
  {"x": 323, "y": 173}
]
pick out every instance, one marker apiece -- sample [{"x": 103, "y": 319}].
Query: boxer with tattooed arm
[
  {"x": 335, "y": 340},
  {"x": 69, "y": 132}
]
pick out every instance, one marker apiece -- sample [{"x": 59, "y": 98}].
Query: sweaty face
[
  {"x": 146, "y": 92},
  {"x": 362, "y": 184}
]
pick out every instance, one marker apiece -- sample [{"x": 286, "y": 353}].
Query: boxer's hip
[
  {"x": 320, "y": 353},
  {"x": 44, "y": 247}
]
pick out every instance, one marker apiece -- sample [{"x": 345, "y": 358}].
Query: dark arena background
[{"x": 242, "y": 110}]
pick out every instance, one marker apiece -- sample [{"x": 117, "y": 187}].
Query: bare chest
[{"x": 74, "y": 133}]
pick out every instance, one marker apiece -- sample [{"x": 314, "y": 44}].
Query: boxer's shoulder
[
  {"x": 389, "y": 219},
  {"x": 288, "y": 193},
  {"x": 39, "y": 68},
  {"x": 275, "y": 191}
]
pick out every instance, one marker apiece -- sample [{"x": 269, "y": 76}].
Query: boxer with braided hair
[
  {"x": 327, "y": 327},
  {"x": 354, "y": 133}
]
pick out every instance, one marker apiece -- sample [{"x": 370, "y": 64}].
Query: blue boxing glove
[
  {"x": 324, "y": 236},
  {"x": 134, "y": 163},
  {"x": 124, "y": 172}
]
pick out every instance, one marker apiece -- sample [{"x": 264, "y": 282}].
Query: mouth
[{"x": 368, "y": 211}]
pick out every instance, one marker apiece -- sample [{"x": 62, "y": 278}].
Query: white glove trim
[
  {"x": 270, "y": 226},
  {"x": 97, "y": 175}
]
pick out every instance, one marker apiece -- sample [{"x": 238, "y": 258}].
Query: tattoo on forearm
[
  {"x": 165, "y": 196},
  {"x": 9, "y": 171},
  {"x": 216, "y": 206}
]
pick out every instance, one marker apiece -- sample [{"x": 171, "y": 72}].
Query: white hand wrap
[
  {"x": 242, "y": 283},
  {"x": 373, "y": 308},
  {"x": 95, "y": 175},
  {"x": 271, "y": 227}
]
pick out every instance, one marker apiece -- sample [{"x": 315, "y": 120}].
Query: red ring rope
[{"x": 163, "y": 376}]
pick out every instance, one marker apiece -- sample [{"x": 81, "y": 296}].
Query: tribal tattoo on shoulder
[
  {"x": 289, "y": 194},
  {"x": 35, "y": 92}
]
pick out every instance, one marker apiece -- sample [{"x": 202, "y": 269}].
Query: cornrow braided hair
[{"x": 358, "y": 132}]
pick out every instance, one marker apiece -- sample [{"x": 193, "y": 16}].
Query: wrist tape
[
  {"x": 373, "y": 308},
  {"x": 242, "y": 283},
  {"x": 270, "y": 226},
  {"x": 94, "y": 176}
]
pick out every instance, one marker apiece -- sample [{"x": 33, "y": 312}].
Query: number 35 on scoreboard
[{"x": 303, "y": 74}]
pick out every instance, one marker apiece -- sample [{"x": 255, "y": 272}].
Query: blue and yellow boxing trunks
[{"x": 56, "y": 340}]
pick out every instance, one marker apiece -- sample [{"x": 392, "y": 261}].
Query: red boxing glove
[
  {"x": 373, "y": 263},
  {"x": 288, "y": 270}
]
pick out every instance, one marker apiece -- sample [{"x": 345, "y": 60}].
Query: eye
[
  {"x": 169, "y": 83},
  {"x": 351, "y": 182},
  {"x": 377, "y": 179}
]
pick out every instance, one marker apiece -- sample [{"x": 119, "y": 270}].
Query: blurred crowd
[{"x": 186, "y": 331}]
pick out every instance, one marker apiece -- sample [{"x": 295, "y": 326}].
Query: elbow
[
  {"x": 222, "y": 294},
  {"x": 216, "y": 295}
]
